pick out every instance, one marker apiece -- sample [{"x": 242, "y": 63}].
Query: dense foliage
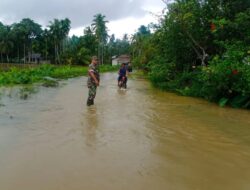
[{"x": 200, "y": 48}]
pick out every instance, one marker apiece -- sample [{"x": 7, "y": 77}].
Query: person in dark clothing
[{"x": 123, "y": 72}]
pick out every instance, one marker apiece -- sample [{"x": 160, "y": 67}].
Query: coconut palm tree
[{"x": 101, "y": 32}]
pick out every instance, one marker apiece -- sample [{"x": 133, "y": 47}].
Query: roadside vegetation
[
  {"x": 201, "y": 49},
  {"x": 45, "y": 73}
]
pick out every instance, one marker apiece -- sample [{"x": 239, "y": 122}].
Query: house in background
[
  {"x": 33, "y": 58},
  {"x": 118, "y": 60},
  {"x": 115, "y": 60}
]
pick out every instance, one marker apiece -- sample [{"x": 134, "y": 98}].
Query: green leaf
[
  {"x": 239, "y": 101},
  {"x": 223, "y": 102}
]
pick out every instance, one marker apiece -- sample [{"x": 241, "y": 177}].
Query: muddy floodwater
[{"x": 138, "y": 139}]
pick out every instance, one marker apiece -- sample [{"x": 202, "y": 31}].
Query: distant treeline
[{"x": 27, "y": 42}]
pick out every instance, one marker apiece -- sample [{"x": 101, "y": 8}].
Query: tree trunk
[
  {"x": 46, "y": 51},
  {"x": 32, "y": 53},
  {"x": 24, "y": 58},
  {"x": 102, "y": 53},
  {"x": 57, "y": 58},
  {"x": 18, "y": 54},
  {"x": 55, "y": 54},
  {"x": 29, "y": 53},
  {"x": 1, "y": 57},
  {"x": 63, "y": 46},
  {"x": 7, "y": 56},
  {"x": 99, "y": 52},
  {"x": 202, "y": 56}
]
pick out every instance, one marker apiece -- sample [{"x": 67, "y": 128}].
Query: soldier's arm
[{"x": 91, "y": 73}]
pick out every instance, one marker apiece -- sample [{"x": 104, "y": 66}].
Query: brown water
[{"x": 138, "y": 139}]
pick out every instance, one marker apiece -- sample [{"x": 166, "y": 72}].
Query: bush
[
  {"x": 160, "y": 72},
  {"x": 226, "y": 80},
  {"x": 27, "y": 76}
]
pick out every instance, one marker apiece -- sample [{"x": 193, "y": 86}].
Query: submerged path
[{"x": 138, "y": 139}]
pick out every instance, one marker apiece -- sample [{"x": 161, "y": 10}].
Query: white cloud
[
  {"x": 120, "y": 27},
  {"x": 124, "y": 16},
  {"x": 80, "y": 12},
  {"x": 76, "y": 31},
  {"x": 130, "y": 24}
]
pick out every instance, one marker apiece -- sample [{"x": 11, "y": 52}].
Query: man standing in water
[{"x": 93, "y": 80}]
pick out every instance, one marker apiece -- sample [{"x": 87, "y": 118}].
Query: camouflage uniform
[{"x": 91, "y": 84}]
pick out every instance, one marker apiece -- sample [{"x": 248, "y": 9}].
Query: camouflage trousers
[{"x": 92, "y": 92}]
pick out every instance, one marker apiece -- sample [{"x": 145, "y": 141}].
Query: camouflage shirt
[{"x": 93, "y": 68}]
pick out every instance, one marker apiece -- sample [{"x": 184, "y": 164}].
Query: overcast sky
[{"x": 124, "y": 16}]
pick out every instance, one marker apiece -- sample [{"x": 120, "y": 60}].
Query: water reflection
[
  {"x": 90, "y": 124},
  {"x": 122, "y": 92},
  {"x": 23, "y": 92}
]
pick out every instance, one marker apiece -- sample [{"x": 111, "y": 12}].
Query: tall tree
[
  {"x": 2, "y": 35},
  {"x": 101, "y": 32},
  {"x": 139, "y": 43},
  {"x": 27, "y": 32},
  {"x": 6, "y": 43},
  {"x": 59, "y": 30}
]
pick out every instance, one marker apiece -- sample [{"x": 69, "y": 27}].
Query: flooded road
[{"x": 138, "y": 139}]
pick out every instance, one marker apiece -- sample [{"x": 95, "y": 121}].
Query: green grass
[
  {"x": 138, "y": 74},
  {"x": 32, "y": 75}
]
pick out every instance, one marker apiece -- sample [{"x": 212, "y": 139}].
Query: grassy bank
[
  {"x": 226, "y": 82},
  {"x": 32, "y": 75}
]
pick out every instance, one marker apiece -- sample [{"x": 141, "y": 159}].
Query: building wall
[
  {"x": 121, "y": 59},
  {"x": 115, "y": 61}
]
